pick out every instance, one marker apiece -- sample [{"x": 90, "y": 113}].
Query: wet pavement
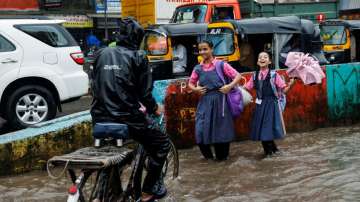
[{"x": 322, "y": 165}]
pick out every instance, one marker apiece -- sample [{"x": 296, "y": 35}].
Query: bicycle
[{"x": 109, "y": 164}]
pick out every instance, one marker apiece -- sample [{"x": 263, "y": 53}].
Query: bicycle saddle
[{"x": 109, "y": 130}]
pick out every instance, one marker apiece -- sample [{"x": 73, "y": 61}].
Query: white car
[{"x": 41, "y": 66}]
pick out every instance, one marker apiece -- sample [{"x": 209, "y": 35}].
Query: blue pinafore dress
[
  {"x": 213, "y": 121},
  {"x": 267, "y": 122}
]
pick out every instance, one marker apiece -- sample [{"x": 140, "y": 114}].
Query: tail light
[
  {"x": 72, "y": 190},
  {"x": 78, "y": 57}
]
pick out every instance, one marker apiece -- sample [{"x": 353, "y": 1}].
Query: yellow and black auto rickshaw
[
  {"x": 159, "y": 42},
  {"x": 236, "y": 41},
  {"x": 341, "y": 40},
  {"x": 239, "y": 42}
]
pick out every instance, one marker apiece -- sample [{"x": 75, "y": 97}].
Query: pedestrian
[
  {"x": 213, "y": 123},
  {"x": 267, "y": 124},
  {"x": 92, "y": 41}
]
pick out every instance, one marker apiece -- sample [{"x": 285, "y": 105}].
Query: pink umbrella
[{"x": 304, "y": 67}]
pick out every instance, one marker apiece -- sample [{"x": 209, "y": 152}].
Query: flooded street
[{"x": 323, "y": 165}]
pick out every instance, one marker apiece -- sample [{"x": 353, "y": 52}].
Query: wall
[
  {"x": 343, "y": 92},
  {"x": 30, "y": 148},
  {"x": 305, "y": 111}
]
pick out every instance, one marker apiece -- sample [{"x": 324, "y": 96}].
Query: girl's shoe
[
  {"x": 268, "y": 155},
  {"x": 278, "y": 153}
]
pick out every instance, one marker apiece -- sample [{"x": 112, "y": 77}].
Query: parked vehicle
[
  {"x": 341, "y": 40},
  {"x": 41, "y": 67},
  {"x": 239, "y": 42},
  {"x": 159, "y": 40},
  {"x": 149, "y": 12},
  {"x": 236, "y": 41},
  {"x": 310, "y": 10},
  {"x": 164, "y": 11}
]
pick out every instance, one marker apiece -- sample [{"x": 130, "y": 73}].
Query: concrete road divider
[{"x": 30, "y": 148}]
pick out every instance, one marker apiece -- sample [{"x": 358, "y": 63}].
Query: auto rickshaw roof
[
  {"x": 185, "y": 29},
  {"x": 352, "y": 24},
  {"x": 307, "y": 26},
  {"x": 288, "y": 24}
]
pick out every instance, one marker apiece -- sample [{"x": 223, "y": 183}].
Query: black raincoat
[{"x": 121, "y": 78}]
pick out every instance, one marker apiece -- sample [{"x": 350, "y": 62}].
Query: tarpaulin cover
[
  {"x": 289, "y": 24},
  {"x": 181, "y": 29}
]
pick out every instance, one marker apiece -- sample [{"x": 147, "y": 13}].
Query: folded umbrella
[{"x": 304, "y": 67}]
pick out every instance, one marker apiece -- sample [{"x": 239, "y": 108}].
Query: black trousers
[
  {"x": 269, "y": 147},
  {"x": 157, "y": 145},
  {"x": 221, "y": 151}
]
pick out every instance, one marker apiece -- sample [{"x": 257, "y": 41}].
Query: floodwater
[{"x": 322, "y": 165}]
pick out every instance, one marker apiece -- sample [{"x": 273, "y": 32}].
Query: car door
[{"x": 10, "y": 59}]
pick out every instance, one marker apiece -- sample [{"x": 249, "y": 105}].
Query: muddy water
[{"x": 323, "y": 165}]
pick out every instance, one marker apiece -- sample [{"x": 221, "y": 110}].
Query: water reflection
[{"x": 323, "y": 165}]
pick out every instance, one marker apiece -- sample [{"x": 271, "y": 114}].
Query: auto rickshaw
[
  {"x": 341, "y": 40},
  {"x": 159, "y": 40},
  {"x": 239, "y": 42}
]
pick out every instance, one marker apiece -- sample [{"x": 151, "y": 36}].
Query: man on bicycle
[{"x": 121, "y": 80}]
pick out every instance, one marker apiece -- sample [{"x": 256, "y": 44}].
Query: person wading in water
[
  {"x": 213, "y": 122},
  {"x": 267, "y": 124}
]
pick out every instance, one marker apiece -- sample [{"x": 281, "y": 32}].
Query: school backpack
[
  {"x": 234, "y": 97},
  {"x": 278, "y": 93}
]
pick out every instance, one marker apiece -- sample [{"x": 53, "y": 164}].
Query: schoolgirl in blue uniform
[
  {"x": 213, "y": 123},
  {"x": 268, "y": 124}
]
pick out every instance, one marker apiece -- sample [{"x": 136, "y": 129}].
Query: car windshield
[
  {"x": 333, "y": 35},
  {"x": 222, "y": 39},
  {"x": 188, "y": 14},
  {"x": 154, "y": 43}
]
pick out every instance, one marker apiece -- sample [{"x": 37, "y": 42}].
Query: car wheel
[{"x": 30, "y": 105}]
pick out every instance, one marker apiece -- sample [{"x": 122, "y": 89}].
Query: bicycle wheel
[
  {"x": 171, "y": 166},
  {"x": 114, "y": 182},
  {"x": 134, "y": 188},
  {"x": 170, "y": 170},
  {"x": 108, "y": 186}
]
